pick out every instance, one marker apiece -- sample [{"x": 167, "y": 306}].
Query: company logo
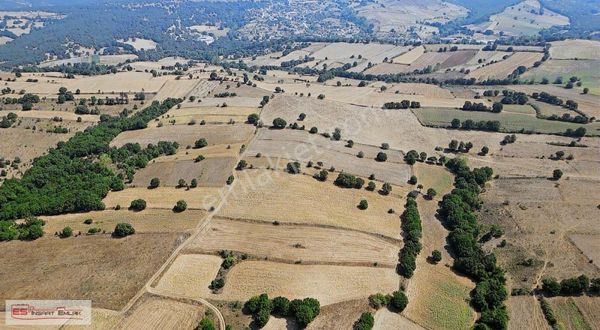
[{"x": 48, "y": 312}]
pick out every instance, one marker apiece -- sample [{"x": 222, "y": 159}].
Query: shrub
[
  {"x": 379, "y": 300},
  {"x": 88, "y": 221},
  {"x": 557, "y": 174},
  {"x": 412, "y": 180},
  {"x": 386, "y": 188},
  {"x": 363, "y": 204},
  {"x": 200, "y": 143},
  {"x": 371, "y": 186},
  {"x": 293, "y": 167},
  {"x": 180, "y": 206},
  {"x": 241, "y": 165},
  {"x": 279, "y": 123},
  {"x": 399, "y": 301},
  {"x": 137, "y": 205},
  {"x": 360, "y": 154},
  {"x": 484, "y": 150},
  {"x": 313, "y": 130},
  {"x": 230, "y": 180},
  {"x": 194, "y": 183},
  {"x": 436, "y": 256},
  {"x": 66, "y": 232},
  {"x": 365, "y": 322},
  {"x": 431, "y": 193},
  {"x": 154, "y": 183},
  {"x": 253, "y": 118},
  {"x": 206, "y": 324},
  {"x": 321, "y": 176},
  {"x": 199, "y": 158},
  {"x": 181, "y": 183},
  {"x": 385, "y": 146},
  {"x": 123, "y": 229}
]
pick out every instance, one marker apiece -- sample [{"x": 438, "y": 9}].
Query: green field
[
  {"x": 586, "y": 70},
  {"x": 568, "y": 314},
  {"x": 509, "y": 121}
]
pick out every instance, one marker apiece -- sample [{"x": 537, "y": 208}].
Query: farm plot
[
  {"x": 339, "y": 315},
  {"x": 201, "y": 198},
  {"x": 538, "y": 217},
  {"x": 387, "y": 320},
  {"x": 343, "y": 51},
  {"x": 140, "y": 43},
  {"x": 575, "y": 49},
  {"x": 568, "y": 314},
  {"x": 190, "y": 275},
  {"x": 67, "y": 268},
  {"x": 583, "y": 69},
  {"x": 328, "y": 284},
  {"x": 589, "y": 245},
  {"x": 176, "y": 89},
  {"x": 509, "y": 121},
  {"x": 27, "y": 144},
  {"x": 482, "y": 58},
  {"x": 149, "y": 221},
  {"x": 292, "y": 199},
  {"x": 410, "y": 56},
  {"x": 525, "y": 313},
  {"x": 211, "y": 172},
  {"x": 238, "y": 101},
  {"x": 588, "y": 103},
  {"x": 152, "y": 312},
  {"x": 590, "y": 308},
  {"x": 304, "y": 147},
  {"x": 502, "y": 69},
  {"x": 242, "y": 90},
  {"x": 295, "y": 243},
  {"x": 186, "y": 135}
]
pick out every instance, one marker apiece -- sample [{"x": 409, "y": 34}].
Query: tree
[
  {"x": 497, "y": 107},
  {"x": 154, "y": 183},
  {"x": 399, "y": 301},
  {"x": 123, "y": 229},
  {"x": 360, "y": 154},
  {"x": 379, "y": 300},
  {"x": 337, "y": 134},
  {"x": 386, "y": 188},
  {"x": 66, "y": 232},
  {"x": 200, "y": 143},
  {"x": 412, "y": 180},
  {"x": 557, "y": 174},
  {"x": 242, "y": 164},
  {"x": 230, "y": 180},
  {"x": 381, "y": 157},
  {"x": 194, "y": 183},
  {"x": 551, "y": 287},
  {"x": 365, "y": 322},
  {"x": 137, "y": 205},
  {"x": 199, "y": 158},
  {"x": 313, "y": 130},
  {"x": 26, "y": 106},
  {"x": 279, "y": 123},
  {"x": 321, "y": 175},
  {"x": 253, "y": 118},
  {"x": 180, "y": 206},
  {"x": 371, "y": 186},
  {"x": 586, "y": 90},
  {"x": 293, "y": 167},
  {"x": 484, "y": 150},
  {"x": 281, "y": 306},
  {"x": 181, "y": 183},
  {"x": 455, "y": 123},
  {"x": 385, "y": 146},
  {"x": 431, "y": 193},
  {"x": 436, "y": 256},
  {"x": 206, "y": 324},
  {"x": 363, "y": 204}
]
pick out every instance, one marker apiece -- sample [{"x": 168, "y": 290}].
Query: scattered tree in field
[
  {"x": 363, "y": 204},
  {"x": 349, "y": 181},
  {"x": 586, "y": 90},
  {"x": 199, "y": 158},
  {"x": 431, "y": 193},
  {"x": 484, "y": 151},
  {"x": 293, "y": 167},
  {"x": 379, "y": 300},
  {"x": 180, "y": 206},
  {"x": 436, "y": 256},
  {"x": 381, "y": 157},
  {"x": 412, "y": 180},
  {"x": 360, "y": 154},
  {"x": 350, "y": 144},
  {"x": 371, "y": 186},
  {"x": 194, "y": 183},
  {"x": 181, "y": 183},
  {"x": 337, "y": 134},
  {"x": 399, "y": 301},
  {"x": 230, "y": 180},
  {"x": 385, "y": 146},
  {"x": 123, "y": 229},
  {"x": 253, "y": 118},
  {"x": 242, "y": 164},
  {"x": 201, "y": 143},
  {"x": 386, "y": 189},
  {"x": 557, "y": 174},
  {"x": 279, "y": 123},
  {"x": 365, "y": 322},
  {"x": 137, "y": 205},
  {"x": 301, "y": 116},
  {"x": 154, "y": 183},
  {"x": 321, "y": 175},
  {"x": 455, "y": 123},
  {"x": 66, "y": 232},
  {"x": 313, "y": 130}
]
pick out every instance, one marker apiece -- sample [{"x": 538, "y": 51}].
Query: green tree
[
  {"x": 242, "y": 164},
  {"x": 381, "y": 157},
  {"x": 123, "y": 229},
  {"x": 281, "y": 306},
  {"x": 386, "y": 188},
  {"x": 154, "y": 183},
  {"x": 412, "y": 180},
  {"x": 431, "y": 193},
  {"x": 557, "y": 174},
  {"x": 230, "y": 180},
  {"x": 363, "y": 204},
  {"x": 181, "y": 183},
  {"x": 436, "y": 256},
  {"x": 455, "y": 123},
  {"x": 137, "y": 205},
  {"x": 66, "y": 232},
  {"x": 180, "y": 206},
  {"x": 201, "y": 143},
  {"x": 399, "y": 301},
  {"x": 199, "y": 158},
  {"x": 253, "y": 118},
  {"x": 279, "y": 123},
  {"x": 194, "y": 183},
  {"x": 206, "y": 324},
  {"x": 365, "y": 322}
]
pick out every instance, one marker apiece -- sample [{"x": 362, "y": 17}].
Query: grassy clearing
[
  {"x": 431, "y": 176},
  {"x": 510, "y": 122}
]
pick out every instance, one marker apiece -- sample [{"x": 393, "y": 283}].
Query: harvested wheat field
[
  {"x": 149, "y": 221},
  {"x": 575, "y": 49},
  {"x": 410, "y": 56},
  {"x": 526, "y": 18},
  {"x": 27, "y": 144},
  {"x": 589, "y": 244},
  {"x": 186, "y": 135},
  {"x": 153, "y": 312},
  {"x": 305, "y": 147},
  {"x": 197, "y": 113},
  {"x": 328, "y": 284},
  {"x": 302, "y": 199},
  {"x": 67, "y": 268},
  {"x": 178, "y": 88},
  {"x": 190, "y": 275},
  {"x": 211, "y": 172},
  {"x": 388, "y": 320},
  {"x": 568, "y": 314},
  {"x": 339, "y": 315},
  {"x": 538, "y": 216},
  {"x": 296, "y": 243},
  {"x": 502, "y": 69},
  {"x": 525, "y": 313},
  {"x": 201, "y": 198}
]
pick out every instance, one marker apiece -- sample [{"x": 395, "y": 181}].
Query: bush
[
  {"x": 230, "y": 180},
  {"x": 381, "y": 157},
  {"x": 199, "y": 158},
  {"x": 431, "y": 193},
  {"x": 194, "y": 183},
  {"x": 313, "y": 130},
  {"x": 386, "y": 188},
  {"x": 279, "y": 123},
  {"x": 66, "y": 232},
  {"x": 412, "y": 180},
  {"x": 88, "y": 221},
  {"x": 399, "y": 301},
  {"x": 436, "y": 256},
  {"x": 154, "y": 183},
  {"x": 123, "y": 229},
  {"x": 242, "y": 164},
  {"x": 253, "y": 118},
  {"x": 137, "y": 205},
  {"x": 557, "y": 174},
  {"x": 385, "y": 146},
  {"x": 365, "y": 322},
  {"x": 321, "y": 176},
  {"x": 180, "y": 206},
  {"x": 371, "y": 186},
  {"x": 360, "y": 154},
  {"x": 200, "y": 143},
  {"x": 363, "y": 204},
  {"x": 379, "y": 300}
]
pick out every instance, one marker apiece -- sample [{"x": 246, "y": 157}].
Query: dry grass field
[
  {"x": 525, "y": 313},
  {"x": 140, "y": 43},
  {"x": 583, "y": 69},
  {"x": 341, "y": 315},
  {"x": 388, "y": 320},
  {"x": 190, "y": 275},
  {"x": 410, "y": 56},
  {"x": 296, "y": 243},
  {"x": 568, "y": 314},
  {"x": 590, "y": 308},
  {"x": 210, "y": 115},
  {"x": 302, "y": 199},
  {"x": 588, "y": 103},
  {"x": 27, "y": 144},
  {"x": 153, "y": 312},
  {"x": 502, "y": 69},
  {"x": 328, "y": 284},
  {"x": 211, "y": 172},
  {"x": 589, "y": 244},
  {"x": 67, "y": 268},
  {"x": 575, "y": 49},
  {"x": 201, "y": 198},
  {"x": 186, "y": 135},
  {"x": 538, "y": 217},
  {"x": 176, "y": 88}
]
